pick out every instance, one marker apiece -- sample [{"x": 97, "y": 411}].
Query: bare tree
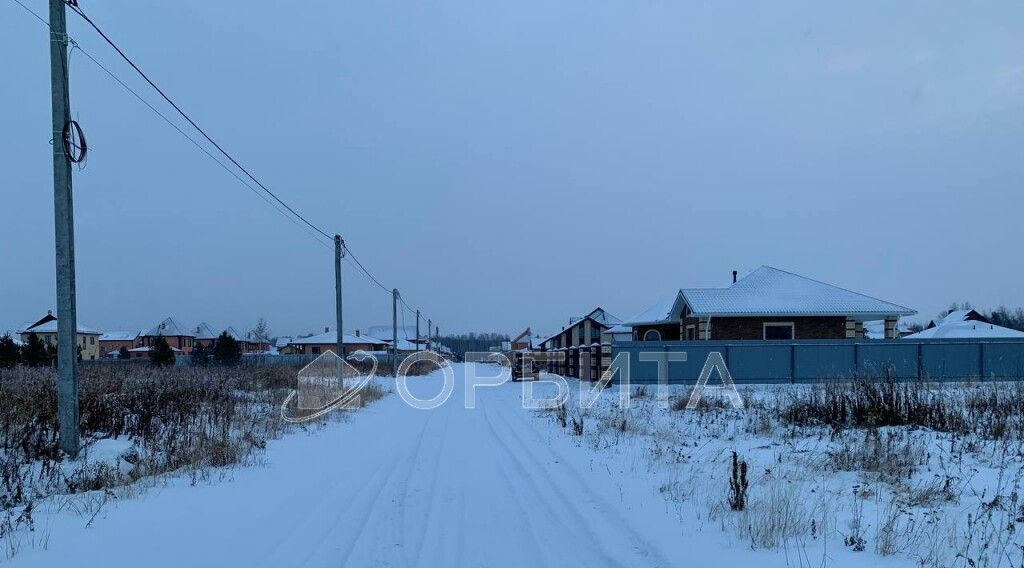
[{"x": 262, "y": 331}]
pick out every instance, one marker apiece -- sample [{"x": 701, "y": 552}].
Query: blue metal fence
[{"x": 816, "y": 360}]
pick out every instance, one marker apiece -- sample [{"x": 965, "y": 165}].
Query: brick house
[
  {"x": 328, "y": 341},
  {"x": 113, "y": 341},
  {"x": 86, "y": 339},
  {"x": 522, "y": 341},
  {"x": 205, "y": 335},
  {"x": 766, "y": 304},
  {"x": 177, "y": 336},
  {"x": 582, "y": 340}
]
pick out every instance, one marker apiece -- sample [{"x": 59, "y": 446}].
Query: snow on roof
[
  {"x": 331, "y": 338},
  {"x": 169, "y": 328},
  {"x": 119, "y": 335},
  {"x": 204, "y": 331},
  {"x": 233, "y": 333},
  {"x": 619, "y": 329},
  {"x": 602, "y": 316},
  {"x": 148, "y": 349},
  {"x": 525, "y": 334},
  {"x": 599, "y": 315},
  {"x": 965, "y": 330},
  {"x": 960, "y": 316},
  {"x": 662, "y": 310},
  {"x": 770, "y": 291},
  {"x": 283, "y": 341},
  {"x": 51, "y": 327}
]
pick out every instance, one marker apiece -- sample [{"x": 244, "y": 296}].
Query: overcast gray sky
[{"x": 514, "y": 163}]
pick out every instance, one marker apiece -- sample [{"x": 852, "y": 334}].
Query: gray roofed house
[
  {"x": 205, "y": 332},
  {"x": 169, "y": 327},
  {"x": 768, "y": 303},
  {"x": 176, "y": 334},
  {"x": 585, "y": 330}
]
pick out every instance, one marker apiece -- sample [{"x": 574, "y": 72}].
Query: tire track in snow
[
  {"x": 541, "y": 491},
  {"x": 610, "y": 516}
]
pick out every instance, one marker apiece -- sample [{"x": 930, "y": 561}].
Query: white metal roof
[
  {"x": 204, "y": 331},
  {"x": 663, "y": 310},
  {"x": 331, "y": 338},
  {"x": 119, "y": 335},
  {"x": 169, "y": 327},
  {"x": 964, "y": 330},
  {"x": 770, "y": 291}
]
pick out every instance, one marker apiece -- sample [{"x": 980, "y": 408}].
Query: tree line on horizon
[{"x": 463, "y": 343}]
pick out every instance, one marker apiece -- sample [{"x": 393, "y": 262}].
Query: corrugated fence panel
[
  {"x": 815, "y": 360},
  {"x": 768, "y": 362},
  {"x": 880, "y": 359}
]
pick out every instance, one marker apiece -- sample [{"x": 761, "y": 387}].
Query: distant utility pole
[
  {"x": 417, "y": 330},
  {"x": 394, "y": 332},
  {"x": 429, "y": 344},
  {"x": 339, "y": 252},
  {"x": 64, "y": 233}
]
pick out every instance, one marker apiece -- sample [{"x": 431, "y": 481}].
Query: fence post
[
  {"x": 981, "y": 360},
  {"x": 792, "y": 363},
  {"x": 920, "y": 361}
]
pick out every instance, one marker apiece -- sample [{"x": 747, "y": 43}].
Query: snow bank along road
[{"x": 396, "y": 486}]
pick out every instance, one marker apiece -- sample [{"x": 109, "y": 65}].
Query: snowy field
[{"x": 499, "y": 485}]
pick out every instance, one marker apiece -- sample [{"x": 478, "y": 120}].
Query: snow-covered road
[{"x": 394, "y": 486}]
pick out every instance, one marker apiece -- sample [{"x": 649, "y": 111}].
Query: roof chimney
[
  {"x": 327, "y": 330},
  {"x": 357, "y": 333},
  {"x": 734, "y": 276}
]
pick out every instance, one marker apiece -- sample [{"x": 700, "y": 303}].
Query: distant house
[
  {"x": 253, "y": 344},
  {"x": 112, "y": 342},
  {"x": 584, "y": 330},
  {"x": 205, "y": 335},
  {"x": 582, "y": 341},
  {"x": 177, "y": 336},
  {"x": 328, "y": 341},
  {"x": 143, "y": 352},
  {"x": 86, "y": 338},
  {"x": 766, "y": 304},
  {"x": 280, "y": 343},
  {"x": 958, "y": 316},
  {"x": 522, "y": 341},
  {"x": 964, "y": 324}
]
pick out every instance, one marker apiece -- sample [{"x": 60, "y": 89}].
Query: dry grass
[{"x": 176, "y": 418}]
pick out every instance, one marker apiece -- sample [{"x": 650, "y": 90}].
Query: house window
[
  {"x": 779, "y": 330},
  {"x": 691, "y": 332},
  {"x": 316, "y": 350},
  {"x": 652, "y": 335}
]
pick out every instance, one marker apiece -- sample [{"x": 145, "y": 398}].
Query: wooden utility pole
[
  {"x": 339, "y": 252},
  {"x": 394, "y": 332},
  {"x": 64, "y": 235},
  {"x": 417, "y": 330},
  {"x": 429, "y": 344}
]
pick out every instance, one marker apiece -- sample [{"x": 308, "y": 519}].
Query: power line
[
  {"x": 171, "y": 123},
  {"x": 273, "y": 200},
  {"x": 76, "y": 9}
]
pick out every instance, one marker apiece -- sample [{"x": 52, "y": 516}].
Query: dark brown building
[{"x": 766, "y": 304}]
